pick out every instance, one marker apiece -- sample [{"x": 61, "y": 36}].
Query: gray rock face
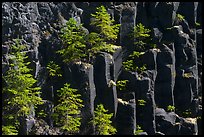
[
  {"x": 165, "y": 80},
  {"x": 81, "y": 77},
  {"x": 167, "y": 16},
  {"x": 186, "y": 70},
  {"x": 127, "y": 21},
  {"x": 145, "y": 114},
  {"x": 170, "y": 123},
  {"x": 173, "y": 75},
  {"x": 199, "y": 59},
  {"x": 165, "y": 121},
  {"x": 146, "y": 92},
  {"x": 118, "y": 58},
  {"x": 189, "y": 11},
  {"x": 42, "y": 128},
  {"x": 104, "y": 82},
  {"x": 126, "y": 115},
  {"x": 143, "y": 87},
  {"x": 47, "y": 108}
]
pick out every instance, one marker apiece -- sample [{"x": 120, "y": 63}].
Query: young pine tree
[
  {"x": 141, "y": 34},
  {"x": 105, "y": 34},
  {"x": 73, "y": 42},
  {"x": 66, "y": 113},
  {"x": 102, "y": 121},
  {"x": 104, "y": 24},
  {"x": 131, "y": 65},
  {"x": 53, "y": 69},
  {"x": 143, "y": 38},
  {"x": 78, "y": 45},
  {"x": 19, "y": 93}
]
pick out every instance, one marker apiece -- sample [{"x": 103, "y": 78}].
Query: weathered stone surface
[
  {"x": 127, "y": 21},
  {"x": 42, "y": 128},
  {"x": 199, "y": 59},
  {"x": 143, "y": 133},
  {"x": 26, "y": 122},
  {"x": 157, "y": 35},
  {"x": 200, "y": 125},
  {"x": 189, "y": 11},
  {"x": 170, "y": 123},
  {"x": 145, "y": 114},
  {"x": 104, "y": 82},
  {"x": 165, "y": 80},
  {"x": 81, "y": 77},
  {"x": 47, "y": 109},
  {"x": 118, "y": 58},
  {"x": 199, "y": 14},
  {"x": 126, "y": 115},
  {"x": 145, "y": 91},
  {"x": 167, "y": 16},
  {"x": 188, "y": 126},
  {"x": 26, "y": 125},
  {"x": 165, "y": 121},
  {"x": 186, "y": 71},
  {"x": 141, "y": 16}
]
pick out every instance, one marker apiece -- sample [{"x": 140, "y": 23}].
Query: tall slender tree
[
  {"x": 67, "y": 112},
  {"x": 20, "y": 94}
]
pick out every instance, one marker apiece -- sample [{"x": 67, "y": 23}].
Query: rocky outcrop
[
  {"x": 104, "y": 82},
  {"x": 170, "y": 123},
  {"x": 82, "y": 78},
  {"x": 173, "y": 75},
  {"x": 165, "y": 80},
  {"x": 146, "y": 92},
  {"x": 126, "y": 116}
]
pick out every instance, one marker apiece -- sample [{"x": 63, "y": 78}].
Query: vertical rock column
[
  {"x": 166, "y": 74},
  {"x": 167, "y": 16},
  {"x": 186, "y": 86},
  {"x": 126, "y": 112},
  {"x": 199, "y": 58},
  {"x": 126, "y": 115},
  {"x": 82, "y": 79},
  {"x": 189, "y": 11},
  {"x": 145, "y": 91},
  {"x": 104, "y": 82},
  {"x": 127, "y": 21},
  {"x": 117, "y": 56}
]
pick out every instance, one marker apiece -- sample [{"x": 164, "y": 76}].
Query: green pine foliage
[
  {"x": 186, "y": 113},
  {"x": 141, "y": 102},
  {"x": 102, "y": 121},
  {"x": 66, "y": 113},
  {"x": 73, "y": 42},
  {"x": 197, "y": 24},
  {"x": 94, "y": 44},
  {"x": 130, "y": 63},
  {"x": 20, "y": 94},
  {"x": 140, "y": 32},
  {"x": 139, "y": 130},
  {"x": 121, "y": 84},
  {"x": 104, "y": 24},
  {"x": 170, "y": 108},
  {"x": 142, "y": 37},
  {"x": 180, "y": 17},
  {"x": 9, "y": 130},
  {"x": 77, "y": 45},
  {"x": 53, "y": 69},
  {"x": 143, "y": 42},
  {"x": 105, "y": 33}
]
